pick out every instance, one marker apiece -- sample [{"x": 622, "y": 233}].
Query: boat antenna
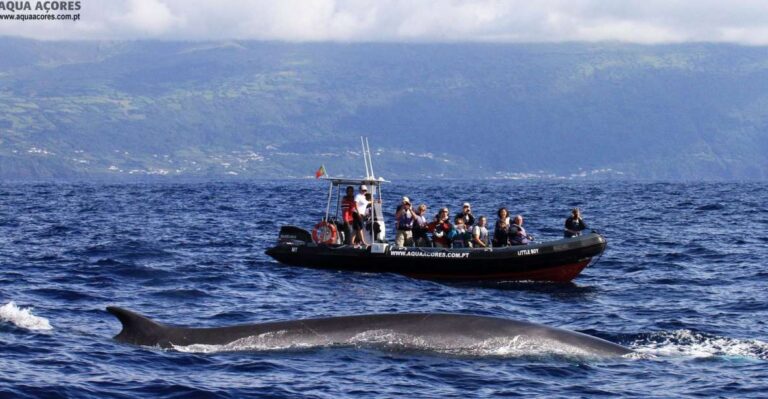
[
  {"x": 365, "y": 157},
  {"x": 370, "y": 160}
]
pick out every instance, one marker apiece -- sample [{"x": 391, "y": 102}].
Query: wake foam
[
  {"x": 23, "y": 317},
  {"x": 687, "y": 343}
]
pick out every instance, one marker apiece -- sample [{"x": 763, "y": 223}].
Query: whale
[{"x": 442, "y": 332}]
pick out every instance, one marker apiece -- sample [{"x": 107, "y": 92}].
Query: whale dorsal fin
[{"x": 137, "y": 329}]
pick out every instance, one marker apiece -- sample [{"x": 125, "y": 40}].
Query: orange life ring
[{"x": 325, "y": 233}]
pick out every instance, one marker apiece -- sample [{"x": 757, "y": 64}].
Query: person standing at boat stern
[
  {"x": 404, "y": 218},
  {"x": 359, "y": 223},
  {"x": 574, "y": 224},
  {"x": 361, "y": 200},
  {"x": 466, "y": 214},
  {"x": 348, "y": 210}
]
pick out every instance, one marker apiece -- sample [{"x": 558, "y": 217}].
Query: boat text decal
[
  {"x": 532, "y": 251},
  {"x": 430, "y": 254}
]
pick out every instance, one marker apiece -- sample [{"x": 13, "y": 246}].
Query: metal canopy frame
[{"x": 370, "y": 180}]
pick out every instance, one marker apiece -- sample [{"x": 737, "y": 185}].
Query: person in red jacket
[
  {"x": 440, "y": 229},
  {"x": 348, "y": 211}
]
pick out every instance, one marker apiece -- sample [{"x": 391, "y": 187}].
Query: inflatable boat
[
  {"x": 557, "y": 261},
  {"x": 324, "y": 248}
]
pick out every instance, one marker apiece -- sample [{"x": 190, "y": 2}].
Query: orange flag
[{"x": 320, "y": 172}]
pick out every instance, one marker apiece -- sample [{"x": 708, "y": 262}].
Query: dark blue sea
[{"x": 684, "y": 282}]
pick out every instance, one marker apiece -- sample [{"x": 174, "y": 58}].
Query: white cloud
[
  {"x": 149, "y": 18},
  {"x": 638, "y": 21}
]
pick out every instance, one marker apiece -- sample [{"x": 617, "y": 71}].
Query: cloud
[{"x": 635, "y": 21}]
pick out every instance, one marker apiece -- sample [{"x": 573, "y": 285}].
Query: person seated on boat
[
  {"x": 480, "y": 233},
  {"x": 458, "y": 235},
  {"x": 404, "y": 218},
  {"x": 440, "y": 228},
  {"x": 420, "y": 227},
  {"x": 466, "y": 214},
  {"x": 501, "y": 229},
  {"x": 348, "y": 210},
  {"x": 574, "y": 225},
  {"x": 517, "y": 234}
]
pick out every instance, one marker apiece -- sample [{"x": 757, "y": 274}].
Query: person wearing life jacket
[
  {"x": 459, "y": 236},
  {"x": 501, "y": 229},
  {"x": 574, "y": 224},
  {"x": 480, "y": 233},
  {"x": 466, "y": 214},
  {"x": 348, "y": 210},
  {"x": 440, "y": 228},
  {"x": 404, "y": 218},
  {"x": 420, "y": 227},
  {"x": 517, "y": 234}
]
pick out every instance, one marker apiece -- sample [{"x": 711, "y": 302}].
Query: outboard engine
[{"x": 292, "y": 235}]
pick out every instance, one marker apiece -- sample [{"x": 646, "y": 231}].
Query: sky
[{"x": 646, "y": 22}]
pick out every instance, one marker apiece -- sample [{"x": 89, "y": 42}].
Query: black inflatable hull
[{"x": 557, "y": 261}]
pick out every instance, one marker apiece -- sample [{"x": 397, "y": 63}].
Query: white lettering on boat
[
  {"x": 532, "y": 251},
  {"x": 460, "y": 255}
]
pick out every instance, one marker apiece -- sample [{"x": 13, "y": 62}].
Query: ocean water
[{"x": 683, "y": 283}]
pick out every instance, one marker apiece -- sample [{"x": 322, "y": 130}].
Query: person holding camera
[
  {"x": 404, "y": 218},
  {"x": 440, "y": 229}
]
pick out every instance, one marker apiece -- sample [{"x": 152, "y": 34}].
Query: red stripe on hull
[{"x": 560, "y": 274}]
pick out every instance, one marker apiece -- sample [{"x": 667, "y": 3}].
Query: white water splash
[
  {"x": 271, "y": 341},
  {"x": 687, "y": 343},
  {"x": 23, "y": 317}
]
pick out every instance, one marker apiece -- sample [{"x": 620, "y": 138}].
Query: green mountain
[{"x": 263, "y": 109}]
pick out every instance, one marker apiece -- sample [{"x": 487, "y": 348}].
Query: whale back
[{"x": 435, "y": 330}]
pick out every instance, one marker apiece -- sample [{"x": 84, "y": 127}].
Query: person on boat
[
  {"x": 501, "y": 229},
  {"x": 480, "y": 233},
  {"x": 358, "y": 224},
  {"x": 360, "y": 199},
  {"x": 458, "y": 235},
  {"x": 404, "y": 218},
  {"x": 440, "y": 227},
  {"x": 348, "y": 211},
  {"x": 420, "y": 227},
  {"x": 370, "y": 224},
  {"x": 466, "y": 214},
  {"x": 517, "y": 234},
  {"x": 574, "y": 225}
]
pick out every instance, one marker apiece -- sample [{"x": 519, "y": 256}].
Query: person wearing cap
[
  {"x": 360, "y": 199},
  {"x": 404, "y": 218},
  {"x": 361, "y": 203},
  {"x": 466, "y": 214}
]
